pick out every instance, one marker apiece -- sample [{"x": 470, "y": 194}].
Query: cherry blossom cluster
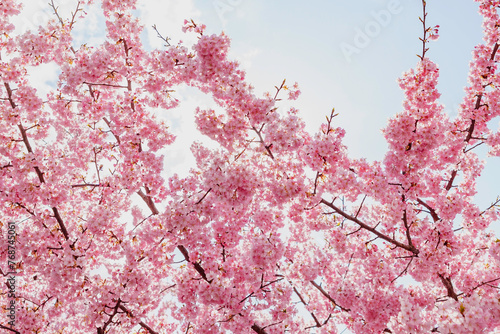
[{"x": 277, "y": 230}]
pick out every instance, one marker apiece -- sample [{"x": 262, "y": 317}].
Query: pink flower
[{"x": 434, "y": 33}]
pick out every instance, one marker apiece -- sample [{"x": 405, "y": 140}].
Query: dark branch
[
  {"x": 324, "y": 293},
  {"x": 449, "y": 286},
  {"x": 261, "y": 140},
  {"x": 257, "y": 329},
  {"x": 433, "y": 213},
  {"x": 410, "y": 247},
  {"x": 9, "y": 329},
  {"x": 59, "y": 220},
  {"x": 196, "y": 265},
  {"x": 142, "y": 324}
]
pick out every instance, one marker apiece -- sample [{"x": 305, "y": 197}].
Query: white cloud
[
  {"x": 178, "y": 156},
  {"x": 36, "y": 13},
  {"x": 246, "y": 58},
  {"x": 168, "y": 16}
]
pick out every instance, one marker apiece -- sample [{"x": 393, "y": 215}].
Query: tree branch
[
  {"x": 433, "y": 213},
  {"x": 103, "y": 84},
  {"x": 257, "y": 329},
  {"x": 149, "y": 202},
  {"x": 142, "y": 324},
  {"x": 9, "y": 329},
  {"x": 261, "y": 140},
  {"x": 470, "y": 131},
  {"x": 59, "y": 220},
  {"x": 39, "y": 173},
  {"x": 304, "y": 302},
  {"x": 196, "y": 265},
  {"x": 407, "y": 228},
  {"x": 491, "y": 206},
  {"x": 410, "y": 248},
  {"x": 424, "y": 39},
  {"x": 324, "y": 293},
  {"x": 201, "y": 199},
  {"x": 449, "y": 286},
  {"x": 166, "y": 39}
]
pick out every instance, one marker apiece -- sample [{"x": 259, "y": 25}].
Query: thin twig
[
  {"x": 165, "y": 39},
  {"x": 491, "y": 206},
  {"x": 142, "y": 324},
  {"x": 261, "y": 140},
  {"x": 424, "y": 39}
]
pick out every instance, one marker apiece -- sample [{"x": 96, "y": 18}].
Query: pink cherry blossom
[{"x": 276, "y": 230}]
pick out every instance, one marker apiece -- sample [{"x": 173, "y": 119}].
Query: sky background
[{"x": 301, "y": 42}]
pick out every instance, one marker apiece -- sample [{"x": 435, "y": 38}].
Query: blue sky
[{"x": 302, "y": 41}]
